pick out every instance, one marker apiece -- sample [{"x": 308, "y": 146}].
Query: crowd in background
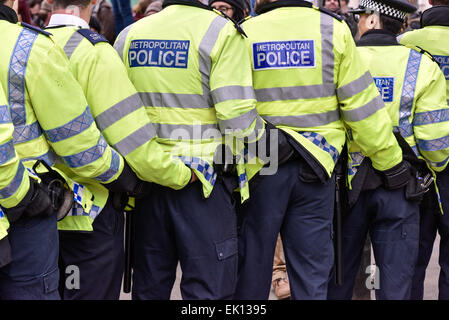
[{"x": 110, "y": 17}]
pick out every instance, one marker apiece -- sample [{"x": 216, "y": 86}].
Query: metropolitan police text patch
[
  {"x": 159, "y": 53},
  {"x": 284, "y": 54},
  {"x": 385, "y": 85},
  {"x": 444, "y": 65}
]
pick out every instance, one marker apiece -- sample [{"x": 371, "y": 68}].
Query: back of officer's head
[
  {"x": 439, "y": 2},
  {"x": 62, "y": 4}
]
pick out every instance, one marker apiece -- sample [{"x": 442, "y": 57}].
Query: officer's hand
[
  {"x": 141, "y": 190},
  {"x": 397, "y": 177},
  {"x": 194, "y": 177},
  {"x": 36, "y": 203}
]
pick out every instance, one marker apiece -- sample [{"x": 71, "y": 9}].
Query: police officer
[
  {"x": 194, "y": 79},
  {"x": 310, "y": 82},
  {"x": 51, "y": 120},
  {"x": 413, "y": 89},
  {"x": 22, "y": 201},
  {"x": 119, "y": 113},
  {"x": 434, "y": 38}
]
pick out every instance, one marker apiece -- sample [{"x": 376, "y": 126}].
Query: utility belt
[
  {"x": 289, "y": 149},
  {"x": 419, "y": 179},
  {"x": 61, "y": 196}
]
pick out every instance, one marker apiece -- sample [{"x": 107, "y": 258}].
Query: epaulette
[
  {"x": 423, "y": 52},
  {"x": 246, "y": 18},
  {"x": 236, "y": 24},
  {"x": 36, "y": 29},
  {"x": 92, "y": 36},
  {"x": 334, "y": 15}
]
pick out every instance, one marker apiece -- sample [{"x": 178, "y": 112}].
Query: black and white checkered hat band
[{"x": 384, "y": 9}]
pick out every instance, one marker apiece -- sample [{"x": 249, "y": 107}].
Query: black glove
[
  {"x": 36, "y": 203},
  {"x": 396, "y": 177},
  {"x": 284, "y": 149},
  {"x": 129, "y": 183}
]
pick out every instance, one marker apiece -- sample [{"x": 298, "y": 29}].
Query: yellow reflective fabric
[
  {"x": 203, "y": 88},
  {"x": 117, "y": 108},
  {"x": 434, "y": 39},
  {"x": 311, "y": 82},
  {"x": 49, "y": 111},
  {"x": 413, "y": 89},
  {"x": 14, "y": 182}
]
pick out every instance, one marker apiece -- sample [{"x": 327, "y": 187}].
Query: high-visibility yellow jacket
[
  {"x": 51, "y": 117},
  {"x": 310, "y": 82},
  {"x": 117, "y": 109},
  {"x": 414, "y": 91},
  {"x": 190, "y": 67},
  {"x": 433, "y": 37},
  {"x": 14, "y": 182}
]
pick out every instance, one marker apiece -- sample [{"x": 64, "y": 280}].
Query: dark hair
[
  {"x": 391, "y": 24},
  {"x": 440, "y": 2},
  {"x": 34, "y": 2},
  {"x": 65, "y": 3}
]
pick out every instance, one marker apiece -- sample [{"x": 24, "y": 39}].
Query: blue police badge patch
[
  {"x": 385, "y": 85},
  {"x": 159, "y": 53},
  {"x": 444, "y": 65},
  {"x": 284, "y": 54}
]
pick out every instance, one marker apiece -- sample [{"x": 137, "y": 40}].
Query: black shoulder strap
[
  {"x": 92, "y": 36},
  {"x": 236, "y": 24},
  {"x": 36, "y": 29}
]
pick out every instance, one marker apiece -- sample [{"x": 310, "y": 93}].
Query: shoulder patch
[
  {"x": 36, "y": 29},
  {"x": 323, "y": 10},
  {"x": 92, "y": 36}
]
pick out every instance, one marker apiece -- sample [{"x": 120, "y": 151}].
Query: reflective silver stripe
[
  {"x": 119, "y": 44},
  {"x": 187, "y": 132},
  {"x": 5, "y": 116},
  {"x": 72, "y": 44},
  {"x": 204, "y": 50},
  {"x": 118, "y": 111},
  {"x": 16, "y": 75},
  {"x": 49, "y": 158},
  {"x": 364, "y": 111},
  {"x": 27, "y": 132},
  {"x": 113, "y": 168},
  {"x": 327, "y": 47},
  {"x": 306, "y": 120},
  {"x": 7, "y": 152},
  {"x": 87, "y": 156},
  {"x": 355, "y": 87},
  {"x": 433, "y": 145},
  {"x": 14, "y": 185},
  {"x": 232, "y": 93},
  {"x": 429, "y": 117},
  {"x": 173, "y": 100},
  {"x": 241, "y": 122},
  {"x": 295, "y": 93},
  {"x": 71, "y": 128},
  {"x": 135, "y": 139}
]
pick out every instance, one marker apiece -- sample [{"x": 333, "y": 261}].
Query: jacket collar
[
  {"x": 8, "y": 14},
  {"x": 435, "y": 16},
  {"x": 378, "y": 37},
  {"x": 283, "y": 3},
  {"x": 67, "y": 20},
  {"x": 192, "y": 3}
]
